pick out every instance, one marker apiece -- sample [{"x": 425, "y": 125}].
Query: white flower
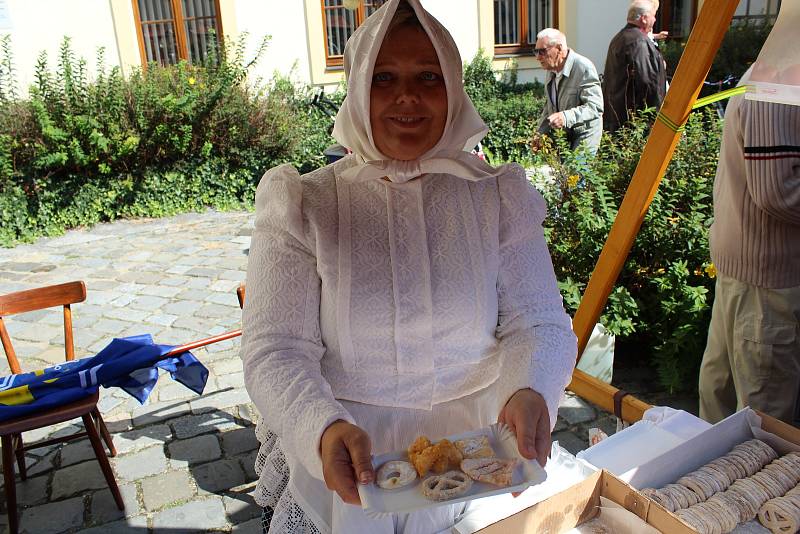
[{"x": 351, "y": 4}]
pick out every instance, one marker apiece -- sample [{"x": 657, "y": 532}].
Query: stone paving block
[
  {"x": 110, "y": 326},
  {"x": 198, "y": 295},
  {"x": 214, "y": 310},
  {"x": 238, "y": 441},
  {"x": 43, "y": 465},
  {"x": 39, "y": 519},
  {"x": 172, "y": 391},
  {"x": 158, "y": 412},
  {"x": 123, "y": 301},
  {"x": 126, "y": 314},
  {"x": 75, "y": 479},
  {"x": 173, "y": 281},
  {"x": 199, "y": 282},
  {"x": 575, "y": 410},
  {"x": 195, "y": 425},
  {"x": 219, "y": 400},
  {"x": 154, "y": 435},
  {"x": 76, "y": 451},
  {"x": 140, "y": 464},
  {"x": 240, "y": 507},
  {"x": 225, "y": 286},
  {"x": 202, "y": 272},
  {"x": 161, "y": 291},
  {"x": 233, "y": 365},
  {"x": 178, "y": 269},
  {"x": 35, "y": 332},
  {"x": 249, "y": 527},
  {"x": 248, "y": 462},
  {"x": 233, "y": 380},
  {"x": 570, "y": 441},
  {"x": 129, "y": 525},
  {"x": 185, "y": 452},
  {"x": 148, "y": 303},
  {"x": 227, "y": 298},
  {"x": 195, "y": 516},
  {"x": 31, "y": 491},
  {"x": 166, "y": 488},
  {"x": 248, "y": 412},
  {"x": 215, "y": 477},
  {"x": 104, "y": 507},
  {"x": 107, "y": 403},
  {"x": 181, "y": 308},
  {"x": 163, "y": 319},
  {"x": 233, "y": 274}
]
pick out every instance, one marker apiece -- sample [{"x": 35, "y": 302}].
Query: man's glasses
[{"x": 541, "y": 51}]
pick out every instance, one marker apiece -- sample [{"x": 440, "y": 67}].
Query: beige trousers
[{"x": 752, "y": 357}]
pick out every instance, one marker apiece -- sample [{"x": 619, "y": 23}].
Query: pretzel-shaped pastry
[
  {"x": 782, "y": 514},
  {"x": 446, "y": 486}
]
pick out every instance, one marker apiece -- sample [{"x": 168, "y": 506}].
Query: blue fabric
[{"x": 131, "y": 363}]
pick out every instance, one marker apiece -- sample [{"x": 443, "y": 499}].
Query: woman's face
[{"x": 408, "y": 100}]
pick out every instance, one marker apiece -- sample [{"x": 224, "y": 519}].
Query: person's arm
[
  {"x": 590, "y": 97},
  {"x": 772, "y": 157},
  {"x": 281, "y": 342},
  {"x": 535, "y": 335},
  {"x": 544, "y": 124}
]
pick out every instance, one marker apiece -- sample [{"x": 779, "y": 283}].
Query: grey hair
[
  {"x": 552, "y": 37},
  {"x": 639, "y": 8}
]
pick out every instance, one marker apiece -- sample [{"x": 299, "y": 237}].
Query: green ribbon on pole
[{"x": 722, "y": 95}]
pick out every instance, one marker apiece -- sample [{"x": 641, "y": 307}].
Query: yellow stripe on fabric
[
  {"x": 16, "y": 396},
  {"x": 722, "y": 95}
]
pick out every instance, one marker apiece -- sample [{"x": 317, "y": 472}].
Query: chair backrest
[
  {"x": 240, "y": 295},
  {"x": 38, "y": 299}
]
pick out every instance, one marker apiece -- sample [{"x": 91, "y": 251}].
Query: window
[
  {"x": 757, "y": 12},
  {"x": 677, "y": 17},
  {"x": 172, "y": 30},
  {"x": 516, "y": 23},
  {"x": 340, "y": 23}
]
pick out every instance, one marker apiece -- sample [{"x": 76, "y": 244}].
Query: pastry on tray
[
  {"x": 446, "y": 486},
  {"x": 477, "y": 447},
  {"x": 490, "y": 470},
  {"x": 439, "y": 457},
  {"x": 395, "y": 474}
]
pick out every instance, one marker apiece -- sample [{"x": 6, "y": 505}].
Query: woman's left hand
[{"x": 527, "y": 416}]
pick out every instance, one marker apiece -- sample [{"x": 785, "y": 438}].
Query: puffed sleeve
[
  {"x": 537, "y": 344},
  {"x": 281, "y": 343}
]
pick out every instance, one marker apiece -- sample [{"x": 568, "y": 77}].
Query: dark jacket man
[{"x": 634, "y": 77}]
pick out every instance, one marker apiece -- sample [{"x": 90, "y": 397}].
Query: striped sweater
[{"x": 755, "y": 237}]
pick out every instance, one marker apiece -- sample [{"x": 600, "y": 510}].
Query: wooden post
[{"x": 709, "y": 29}]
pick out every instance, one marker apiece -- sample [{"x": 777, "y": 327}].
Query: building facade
[{"x": 307, "y": 37}]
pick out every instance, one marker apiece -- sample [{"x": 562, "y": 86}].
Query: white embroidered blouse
[{"x": 406, "y": 295}]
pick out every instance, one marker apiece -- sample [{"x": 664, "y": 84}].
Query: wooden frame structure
[{"x": 704, "y": 41}]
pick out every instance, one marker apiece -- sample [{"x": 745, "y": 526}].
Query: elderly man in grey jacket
[{"x": 573, "y": 98}]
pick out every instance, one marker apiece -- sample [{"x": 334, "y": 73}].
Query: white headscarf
[
  {"x": 463, "y": 128},
  {"x": 775, "y": 75}
]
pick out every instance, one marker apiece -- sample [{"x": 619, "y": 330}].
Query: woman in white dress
[{"x": 404, "y": 290}]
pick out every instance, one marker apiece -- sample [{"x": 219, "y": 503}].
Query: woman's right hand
[{"x": 346, "y": 458}]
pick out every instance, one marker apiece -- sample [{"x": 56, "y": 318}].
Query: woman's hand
[
  {"x": 526, "y": 414},
  {"x": 345, "y": 451}
]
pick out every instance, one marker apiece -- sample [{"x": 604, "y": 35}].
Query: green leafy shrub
[
  {"x": 509, "y": 109},
  {"x": 660, "y": 305},
  {"x": 163, "y": 140}
]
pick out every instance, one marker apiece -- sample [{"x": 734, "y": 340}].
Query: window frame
[
  {"x": 665, "y": 14},
  {"x": 361, "y": 16},
  {"x": 518, "y": 49},
  {"x": 179, "y": 22},
  {"x": 756, "y": 19}
]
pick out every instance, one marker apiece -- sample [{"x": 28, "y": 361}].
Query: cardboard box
[{"x": 578, "y": 504}]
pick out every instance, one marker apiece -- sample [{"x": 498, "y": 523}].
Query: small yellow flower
[
  {"x": 711, "y": 270},
  {"x": 572, "y": 181},
  {"x": 192, "y": 80}
]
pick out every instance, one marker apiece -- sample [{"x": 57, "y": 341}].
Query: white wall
[
  {"x": 38, "y": 25},
  {"x": 285, "y": 22},
  {"x": 460, "y": 17},
  {"x": 590, "y": 24}
]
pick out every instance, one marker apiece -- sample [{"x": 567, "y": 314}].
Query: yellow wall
[
  {"x": 125, "y": 33},
  {"x": 486, "y": 36},
  {"x": 315, "y": 40}
]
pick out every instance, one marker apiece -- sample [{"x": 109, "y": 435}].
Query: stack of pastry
[
  {"x": 730, "y": 489},
  {"x": 782, "y": 514}
]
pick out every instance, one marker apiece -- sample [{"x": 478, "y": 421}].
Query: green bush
[
  {"x": 509, "y": 109},
  {"x": 738, "y": 50},
  {"x": 163, "y": 140},
  {"x": 660, "y": 304}
]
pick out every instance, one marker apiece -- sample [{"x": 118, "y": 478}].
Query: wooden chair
[
  {"x": 240, "y": 295},
  {"x": 86, "y": 408}
]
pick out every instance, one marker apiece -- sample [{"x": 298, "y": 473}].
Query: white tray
[{"x": 377, "y": 501}]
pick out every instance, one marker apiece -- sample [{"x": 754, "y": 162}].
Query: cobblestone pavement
[{"x": 184, "y": 462}]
